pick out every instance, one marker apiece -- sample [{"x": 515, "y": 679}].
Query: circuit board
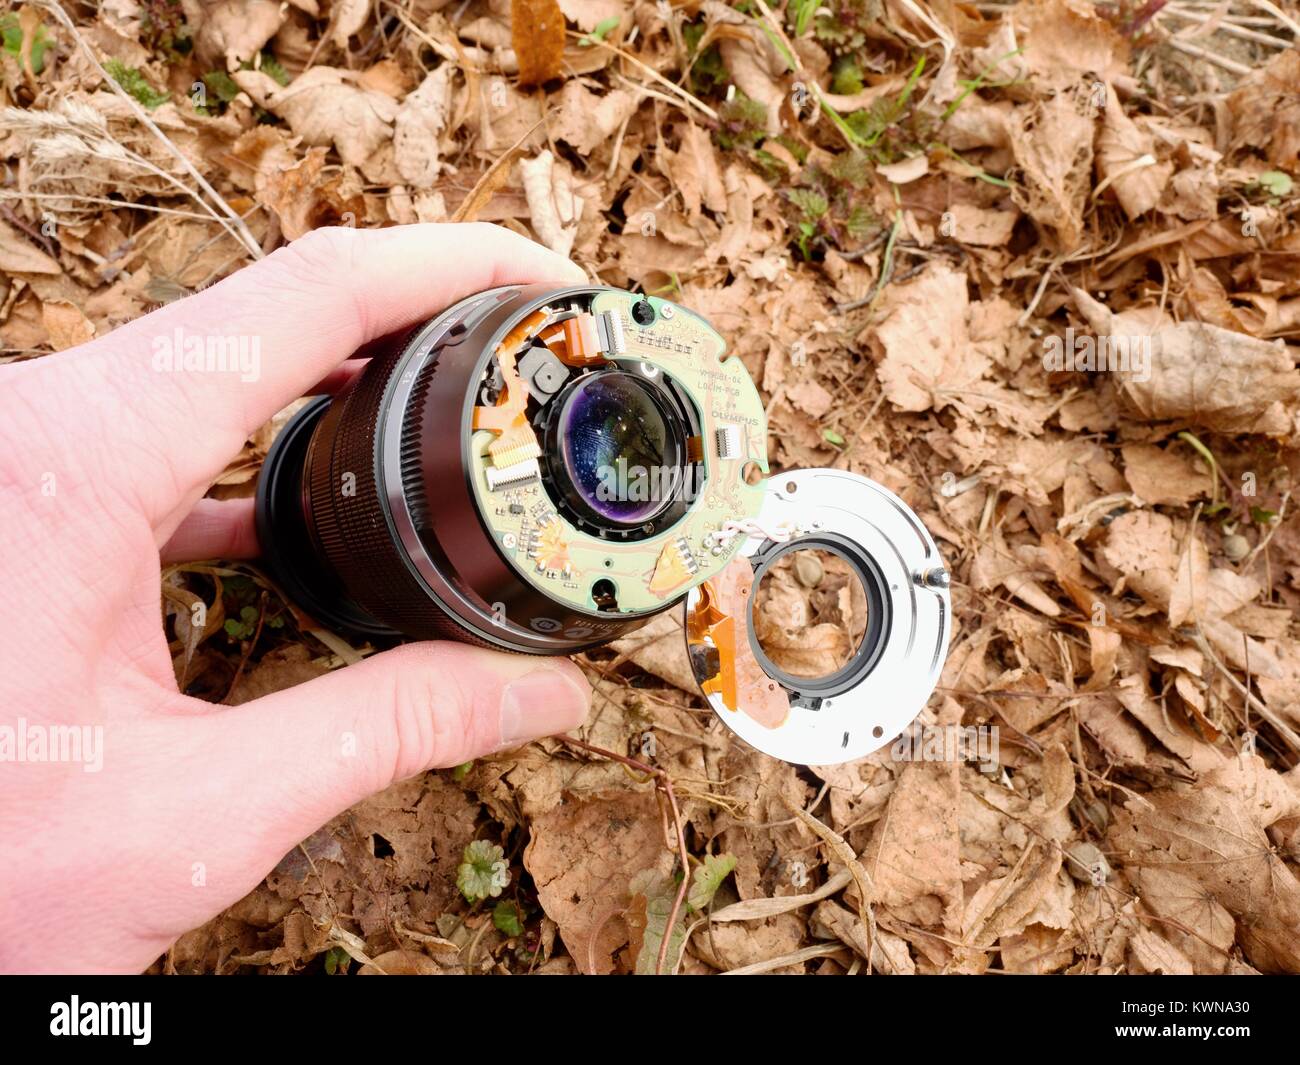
[{"x": 598, "y": 573}]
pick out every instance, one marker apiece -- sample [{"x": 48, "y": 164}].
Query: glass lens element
[{"x": 616, "y": 447}]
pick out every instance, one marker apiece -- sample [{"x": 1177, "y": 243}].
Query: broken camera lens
[{"x": 536, "y": 469}]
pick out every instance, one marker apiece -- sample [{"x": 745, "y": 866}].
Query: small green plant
[
  {"x": 272, "y": 68},
  {"x": 133, "y": 81},
  {"x": 602, "y": 29},
  {"x": 13, "y": 41},
  {"x": 707, "y": 879},
  {"x": 242, "y": 600},
  {"x": 242, "y": 627},
  {"x": 163, "y": 29},
  {"x": 742, "y": 123},
  {"x": 708, "y": 73},
  {"x": 830, "y": 206},
  {"x": 841, "y": 26},
  {"x": 336, "y": 961},
  {"x": 506, "y": 918},
  {"x": 800, "y": 13},
  {"x": 846, "y": 76},
  {"x": 812, "y": 207},
  {"x": 1275, "y": 183},
  {"x": 483, "y": 873},
  {"x": 887, "y": 128}
]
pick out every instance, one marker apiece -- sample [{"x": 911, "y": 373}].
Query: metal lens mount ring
[{"x": 869, "y": 701}]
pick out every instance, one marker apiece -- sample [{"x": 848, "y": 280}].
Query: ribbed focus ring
[{"x": 345, "y": 499}]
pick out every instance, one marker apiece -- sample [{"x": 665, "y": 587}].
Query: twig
[
  {"x": 861, "y": 878},
  {"x": 10, "y": 216},
  {"x": 676, "y": 90},
  {"x": 1231, "y": 29},
  {"x": 1230, "y": 65},
  {"x": 492, "y": 178},
  {"x": 1277, "y": 524},
  {"x": 886, "y": 270},
  {"x": 1282, "y": 17}
]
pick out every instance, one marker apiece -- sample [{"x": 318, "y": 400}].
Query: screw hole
[{"x": 604, "y": 595}]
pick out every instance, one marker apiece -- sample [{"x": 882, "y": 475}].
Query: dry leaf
[
  {"x": 234, "y": 31},
  {"x": 582, "y": 857},
  {"x": 66, "y": 324},
  {"x": 1214, "y": 834},
  {"x": 553, "y": 201},
  {"x": 418, "y": 126},
  {"x": 537, "y": 31},
  {"x": 1211, "y": 377},
  {"x": 346, "y": 18},
  {"x": 18, "y": 255},
  {"x": 323, "y": 107},
  {"x": 1126, "y": 161}
]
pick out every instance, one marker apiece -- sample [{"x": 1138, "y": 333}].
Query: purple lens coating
[{"x": 614, "y": 438}]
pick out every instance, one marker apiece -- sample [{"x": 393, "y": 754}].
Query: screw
[{"x": 933, "y": 578}]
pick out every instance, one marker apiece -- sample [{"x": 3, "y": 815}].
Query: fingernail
[{"x": 541, "y": 703}]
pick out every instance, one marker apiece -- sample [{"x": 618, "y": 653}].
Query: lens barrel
[{"x": 365, "y": 509}]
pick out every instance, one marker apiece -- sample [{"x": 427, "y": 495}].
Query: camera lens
[
  {"x": 535, "y": 469},
  {"x": 613, "y": 427}
]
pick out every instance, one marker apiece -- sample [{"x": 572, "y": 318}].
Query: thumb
[{"x": 324, "y": 745}]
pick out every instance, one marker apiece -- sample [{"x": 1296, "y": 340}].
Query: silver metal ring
[{"x": 876, "y": 695}]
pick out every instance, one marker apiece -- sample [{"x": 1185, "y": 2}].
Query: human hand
[{"x": 103, "y": 463}]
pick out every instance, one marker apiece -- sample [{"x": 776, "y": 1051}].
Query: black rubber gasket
[{"x": 811, "y": 690}]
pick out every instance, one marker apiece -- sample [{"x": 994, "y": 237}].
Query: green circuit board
[{"x": 579, "y": 567}]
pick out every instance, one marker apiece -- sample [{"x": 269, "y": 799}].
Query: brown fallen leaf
[
  {"x": 1164, "y": 475},
  {"x": 1265, "y": 112},
  {"x": 553, "y": 201},
  {"x": 582, "y": 857},
  {"x": 1126, "y": 161},
  {"x": 419, "y": 124},
  {"x": 586, "y": 119},
  {"x": 346, "y": 18},
  {"x": 1052, "y": 143},
  {"x": 66, "y": 324},
  {"x": 236, "y": 30},
  {"x": 913, "y": 855},
  {"x": 1215, "y": 834},
  {"x": 537, "y": 32},
  {"x": 324, "y": 106},
  {"x": 1190, "y": 920},
  {"x": 18, "y": 255},
  {"x": 1211, "y": 377}
]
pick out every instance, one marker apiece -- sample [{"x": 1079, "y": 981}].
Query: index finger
[{"x": 303, "y": 311}]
